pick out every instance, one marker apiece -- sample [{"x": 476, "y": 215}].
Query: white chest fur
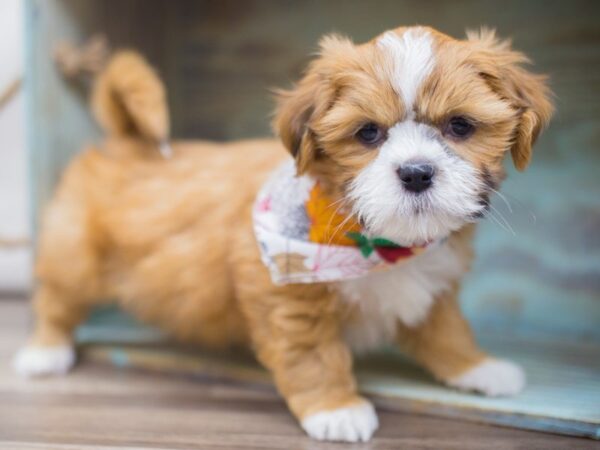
[{"x": 403, "y": 294}]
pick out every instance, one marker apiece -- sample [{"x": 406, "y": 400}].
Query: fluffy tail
[{"x": 128, "y": 99}]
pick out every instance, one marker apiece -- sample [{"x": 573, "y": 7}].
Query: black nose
[{"x": 416, "y": 177}]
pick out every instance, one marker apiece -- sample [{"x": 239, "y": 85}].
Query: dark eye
[
  {"x": 370, "y": 134},
  {"x": 460, "y": 128}
]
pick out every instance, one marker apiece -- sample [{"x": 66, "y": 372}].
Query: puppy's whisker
[
  {"x": 522, "y": 205},
  {"x": 503, "y": 219},
  {"x": 493, "y": 212},
  {"x": 342, "y": 202},
  {"x": 489, "y": 215},
  {"x": 499, "y": 194},
  {"x": 533, "y": 217},
  {"x": 504, "y": 225},
  {"x": 338, "y": 228}
]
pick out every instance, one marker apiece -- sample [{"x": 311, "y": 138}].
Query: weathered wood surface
[
  {"x": 562, "y": 396},
  {"x": 106, "y": 408}
]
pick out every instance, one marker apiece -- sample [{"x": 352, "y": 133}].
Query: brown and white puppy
[{"x": 409, "y": 129}]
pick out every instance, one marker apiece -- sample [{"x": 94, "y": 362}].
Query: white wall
[{"x": 15, "y": 262}]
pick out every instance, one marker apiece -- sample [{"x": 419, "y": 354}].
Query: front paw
[
  {"x": 492, "y": 377},
  {"x": 349, "y": 424}
]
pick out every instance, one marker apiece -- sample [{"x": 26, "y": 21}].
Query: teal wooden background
[{"x": 219, "y": 59}]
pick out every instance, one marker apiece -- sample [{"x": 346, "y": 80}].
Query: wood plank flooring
[{"x": 99, "y": 407}]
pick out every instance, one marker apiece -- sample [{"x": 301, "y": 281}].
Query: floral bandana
[{"x": 304, "y": 238}]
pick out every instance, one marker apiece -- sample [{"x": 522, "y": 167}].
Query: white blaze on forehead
[{"x": 412, "y": 60}]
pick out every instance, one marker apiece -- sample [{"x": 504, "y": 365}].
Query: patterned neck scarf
[{"x": 305, "y": 237}]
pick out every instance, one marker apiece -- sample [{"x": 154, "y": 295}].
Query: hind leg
[
  {"x": 68, "y": 276},
  {"x": 50, "y": 350}
]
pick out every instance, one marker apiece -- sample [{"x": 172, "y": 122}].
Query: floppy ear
[
  {"x": 528, "y": 93},
  {"x": 295, "y": 108},
  {"x": 299, "y": 107}
]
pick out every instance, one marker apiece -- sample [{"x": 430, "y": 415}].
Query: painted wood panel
[{"x": 221, "y": 57}]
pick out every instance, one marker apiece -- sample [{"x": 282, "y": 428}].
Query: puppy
[{"x": 359, "y": 239}]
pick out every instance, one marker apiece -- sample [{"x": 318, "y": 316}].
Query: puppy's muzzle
[{"x": 416, "y": 176}]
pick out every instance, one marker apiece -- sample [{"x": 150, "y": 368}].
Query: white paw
[
  {"x": 351, "y": 424},
  {"x": 492, "y": 377},
  {"x": 39, "y": 361}
]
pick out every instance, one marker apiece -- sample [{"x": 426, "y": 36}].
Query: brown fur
[{"x": 173, "y": 241}]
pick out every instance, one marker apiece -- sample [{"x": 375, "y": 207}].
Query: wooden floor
[{"x": 106, "y": 408}]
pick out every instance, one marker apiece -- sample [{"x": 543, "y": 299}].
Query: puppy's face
[{"x": 411, "y": 128}]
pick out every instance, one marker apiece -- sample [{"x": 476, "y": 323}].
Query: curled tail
[{"x": 129, "y": 99}]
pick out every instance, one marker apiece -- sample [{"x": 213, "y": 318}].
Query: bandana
[{"x": 305, "y": 237}]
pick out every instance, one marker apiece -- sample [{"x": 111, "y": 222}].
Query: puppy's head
[{"x": 412, "y": 127}]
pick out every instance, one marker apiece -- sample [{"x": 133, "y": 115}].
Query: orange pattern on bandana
[
  {"x": 306, "y": 237},
  {"x": 327, "y": 224}
]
